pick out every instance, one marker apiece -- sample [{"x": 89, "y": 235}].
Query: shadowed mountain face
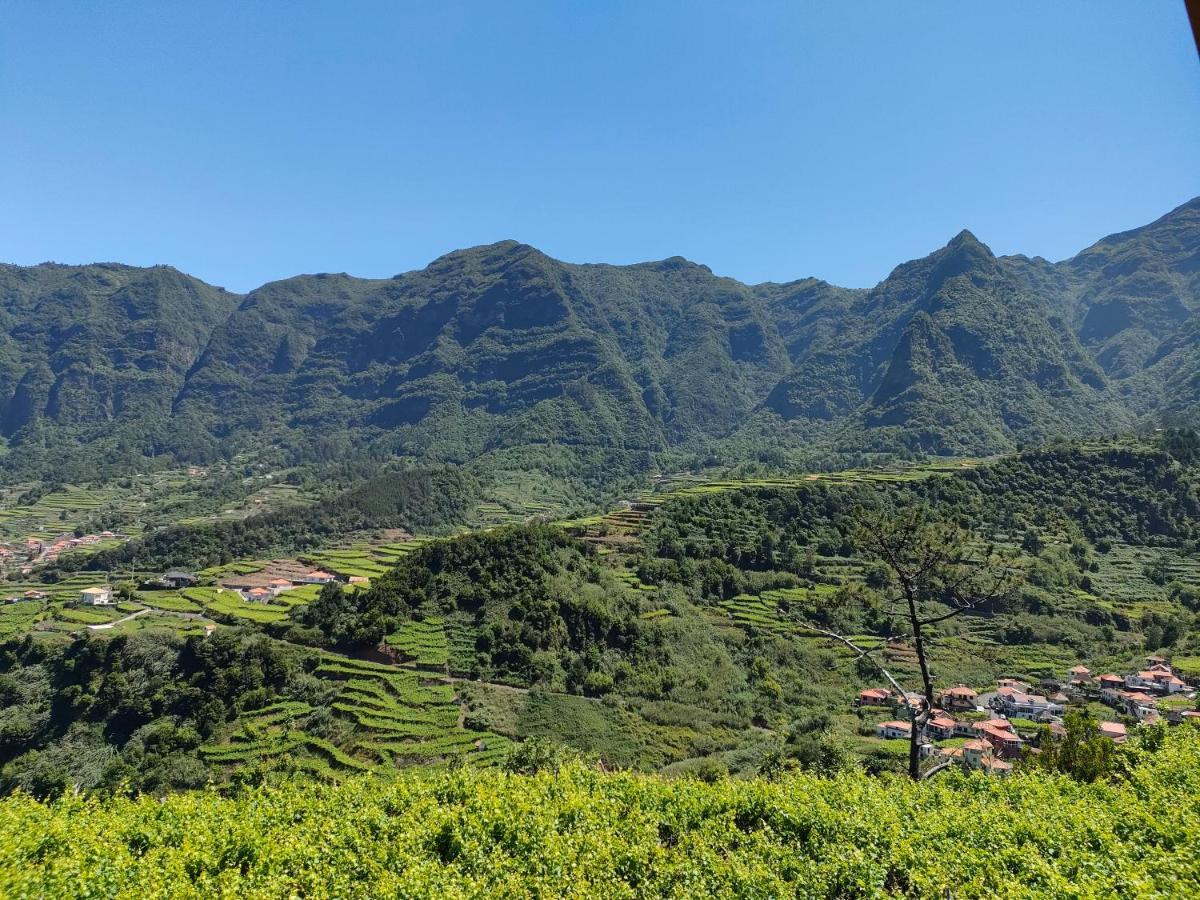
[{"x": 501, "y": 347}]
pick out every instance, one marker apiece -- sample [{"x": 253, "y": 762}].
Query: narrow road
[
  {"x": 105, "y": 626},
  {"x": 141, "y": 612}
]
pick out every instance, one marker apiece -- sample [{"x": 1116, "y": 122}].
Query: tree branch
[{"x": 861, "y": 652}]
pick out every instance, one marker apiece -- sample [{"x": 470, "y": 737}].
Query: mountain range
[{"x": 500, "y": 347}]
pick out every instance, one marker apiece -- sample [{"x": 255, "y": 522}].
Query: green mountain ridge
[{"x": 501, "y": 346}]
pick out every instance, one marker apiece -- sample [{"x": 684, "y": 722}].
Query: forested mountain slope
[
  {"x": 98, "y": 354},
  {"x": 503, "y": 347}
]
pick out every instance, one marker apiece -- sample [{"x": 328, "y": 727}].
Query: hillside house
[
  {"x": 941, "y": 726},
  {"x": 1014, "y": 683},
  {"x": 1080, "y": 675},
  {"x": 965, "y": 728},
  {"x": 277, "y": 585},
  {"x": 875, "y": 697},
  {"x": 1114, "y": 730},
  {"x": 35, "y": 595},
  {"x": 1160, "y": 679},
  {"x": 97, "y": 596},
  {"x": 959, "y": 697},
  {"x": 893, "y": 730},
  {"x": 980, "y": 756},
  {"x": 177, "y": 579},
  {"x": 1137, "y": 704},
  {"x": 999, "y": 734},
  {"x": 259, "y": 595},
  {"x": 317, "y": 577},
  {"x": 1013, "y": 702}
]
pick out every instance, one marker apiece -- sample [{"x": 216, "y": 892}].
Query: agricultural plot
[
  {"x": 17, "y": 619},
  {"x": 422, "y": 643},
  {"x": 230, "y": 603},
  {"x": 168, "y": 600},
  {"x": 86, "y": 615},
  {"x": 362, "y": 559},
  {"x": 237, "y": 567},
  {"x": 1122, "y": 576},
  {"x": 766, "y": 611},
  {"x": 361, "y": 562},
  {"x": 460, "y": 641},
  {"x": 402, "y": 717}
]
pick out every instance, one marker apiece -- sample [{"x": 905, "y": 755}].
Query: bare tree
[{"x": 936, "y": 571}]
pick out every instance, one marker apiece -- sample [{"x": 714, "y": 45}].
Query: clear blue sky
[{"x": 244, "y": 142}]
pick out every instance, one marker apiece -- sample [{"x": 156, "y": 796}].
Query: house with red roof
[
  {"x": 1138, "y": 704},
  {"x": 1080, "y": 674},
  {"x": 1015, "y": 683},
  {"x": 1015, "y": 702},
  {"x": 893, "y": 730},
  {"x": 998, "y": 732},
  {"x": 941, "y": 726},
  {"x": 317, "y": 576},
  {"x": 1159, "y": 678},
  {"x": 1113, "y": 730},
  {"x": 875, "y": 697},
  {"x": 979, "y": 756},
  {"x": 959, "y": 697}
]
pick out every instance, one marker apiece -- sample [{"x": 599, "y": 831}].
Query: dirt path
[{"x": 129, "y": 618}]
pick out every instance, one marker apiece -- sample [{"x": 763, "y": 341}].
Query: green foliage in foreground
[{"x": 581, "y": 833}]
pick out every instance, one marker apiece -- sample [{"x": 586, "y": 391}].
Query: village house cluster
[
  {"x": 988, "y": 721},
  {"x": 258, "y": 587},
  {"x": 33, "y": 551},
  {"x": 283, "y": 575}
]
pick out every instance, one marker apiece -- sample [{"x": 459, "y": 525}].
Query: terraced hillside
[
  {"x": 673, "y": 631},
  {"x": 386, "y": 717}
]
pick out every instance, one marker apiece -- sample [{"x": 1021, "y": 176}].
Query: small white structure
[
  {"x": 97, "y": 596},
  {"x": 317, "y": 577}
]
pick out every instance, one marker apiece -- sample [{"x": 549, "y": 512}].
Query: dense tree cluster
[
  {"x": 542, "y": 608},
  {"x": 96, "y": 713}
]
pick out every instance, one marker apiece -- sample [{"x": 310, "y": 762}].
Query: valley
[{"x": 673, "y": 633}]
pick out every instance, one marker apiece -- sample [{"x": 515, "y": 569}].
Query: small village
[
  {"x": 258, "y": 587},
  {"x": 22, "y": 556},
  {"x": 989, "y": 730}
]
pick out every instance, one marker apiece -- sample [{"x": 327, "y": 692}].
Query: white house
[
  {"x": 893, "y": 730},
  {"x": 317, "y": 577},
  {"x": 1159, "y": 678},
  {"x": 1029, "y": 706},
  {"x": 97, "y": 596}
]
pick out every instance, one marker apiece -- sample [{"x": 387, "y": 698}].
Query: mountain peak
[{"x": 967, "y": 241}]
